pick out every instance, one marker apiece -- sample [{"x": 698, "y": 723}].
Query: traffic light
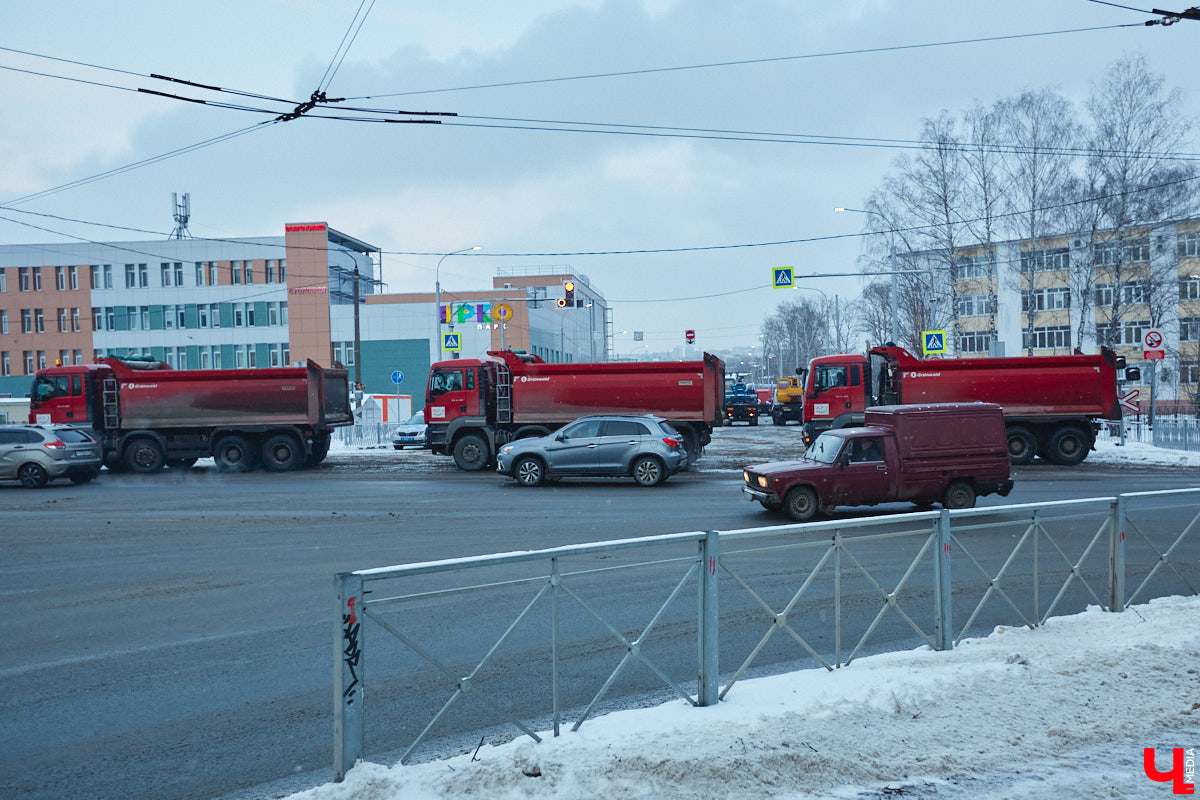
[{"x": 569, "y": 294}]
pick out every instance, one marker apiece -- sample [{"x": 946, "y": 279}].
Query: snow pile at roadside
[
  {"x": 1064, "y": 710},
  {"x": 1108, "y": 452}
]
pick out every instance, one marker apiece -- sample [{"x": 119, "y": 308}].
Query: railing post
[
  {"x": 943, "y": 620},
  {"x": 1116, "y": 556},
  {"x": 710, "y": 551},
  {"x": 347, "y": 675}
]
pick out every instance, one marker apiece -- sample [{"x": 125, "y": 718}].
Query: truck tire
[
  {"x": 778, "y": 419},
  {"x": 529, "y": 471},
  {"x": 32, "y": 475},
  {"x": 1022, "y": 445},
  {"x": 754, "y": 422},
  {"x": 959, "y": 494},
  {"x": 282, "y": 453},
  {"x": 471, "y": 453},
  {"x": 1067, "y": 446},
  {"x": 648, "y": 471},
  {"x": 320, "y": 449},
  {"x": 233, "y": 454},
  {"x": 801, "y": 503},
  {"x": 145, "y": 455}
]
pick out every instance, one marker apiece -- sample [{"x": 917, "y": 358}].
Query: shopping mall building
[{"x": 273, "y": 301}]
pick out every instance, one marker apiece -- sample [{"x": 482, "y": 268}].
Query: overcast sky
[{"x": 412, "y": 189}]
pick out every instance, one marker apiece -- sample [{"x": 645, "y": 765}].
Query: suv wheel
[
  {"x": 648, "y": 471},
  {"x": 33, "y": 476},
  {"x": 529, "y": 471}
]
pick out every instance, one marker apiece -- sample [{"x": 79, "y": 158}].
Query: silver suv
[
  {"x": 645, "y": 448},
  {"x": 36, "y": 455}
]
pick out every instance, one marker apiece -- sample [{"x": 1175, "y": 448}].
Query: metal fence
[
  {"x": 366, "y": 434},
  {"x": 759, "y": 598},
  {"x": 1173, "y": 433}
]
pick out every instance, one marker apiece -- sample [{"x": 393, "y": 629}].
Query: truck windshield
[
  {"x": 826, "y": 448},
  {"x": 827, "y": 377},
  {"x": 445, "y": 380},
  {"x": 45, "y": 388}
]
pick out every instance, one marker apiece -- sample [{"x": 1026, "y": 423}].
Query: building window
[
  {"x": 75, "y": 320},
  {"x": 283, "y": 313},
  {"x": 64, "y": 357},
  {"x": 1189, "y": 288},
  {"x": 1136, "y": 250},
  {"x": 29, "y": 370},
  {"x": 39, "y": 320},
  {"x": 145, "y": 318},
  {"x": 74, "y": 273},
  {"x": 97, "y": 318},
  {"x": 143, "y": 276},
  {"x": 1045, "y": 260},
  {"x": 37, "y": 279},
  {"x": 62, "y": 321},
  {"x": 1189, "y": 371},
  {"x": 270, "y": 270},
  {"x": 283, "y": 270},
  {"x": 214, "y": 313},
  {"x": 3, "y": 321},
  {"x": 23, "y": 279},
  {"x": 78, "y": 354},
  {"x": 178, "y": 268},
  {"x": 213, "y": 272},
  {"x": 272, "y": 314},
  {"x": 96, "y": 278},
  {"x": 60, "y": 278},
  {"x": 248, "y": 268},
  {"x": 130, "y": 276},
  {"x": 135, "y": 321},
  {"x": 239, "y": 357},
  {"x": 26, "y": 321},
  {"x": 41, "y": 359},
  {"x": 239, "y": 311},
  {"x": 975, "y": 342},
  {"x": 180, "y": 317},
  {"x": 1132, "y": 293},
  {"x": 5, "y": 364},
  {"x": 974, "y": 305},
  {"x": 3, "y": 279},
  {"x": 110, "y": 318},
  {"x": 1189, "y": 244},
  {"x": 202, "y": 315},
  {"x": 199, "y": 273},
  {"x": 1189, "y": 329},
  {"x": 1128, "y": 333},
  {"x": 235, "y": 273},
  {"x": 1053, "y": 299},
  {"x": 166, "y": 274},
  {"x": 1050, "y": 337},
  {"x": 168, "y": 317},
  {"x": 973, "y": 267}
]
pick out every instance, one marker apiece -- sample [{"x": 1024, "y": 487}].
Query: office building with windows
[{"x": 267, "y": 302}]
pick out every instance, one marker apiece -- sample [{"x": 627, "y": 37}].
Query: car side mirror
[
  {"x": 843, "y": 459},
  {"x": 562, "y": 437}
]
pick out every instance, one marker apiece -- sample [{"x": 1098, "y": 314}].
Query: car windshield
[
  {"x": 826, "y": 448},
  {"x": 416, "y": 419}
]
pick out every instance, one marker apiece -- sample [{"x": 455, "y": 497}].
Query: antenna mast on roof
[{"x": 182, "y": 212}]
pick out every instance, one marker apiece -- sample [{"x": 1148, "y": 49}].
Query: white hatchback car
[{"x": 411, "y": 433}]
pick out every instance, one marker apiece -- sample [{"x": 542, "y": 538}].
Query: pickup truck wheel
[
  {"x": 282, "y": 453},
  {"x": 1022, "y": 445},
  {"x": 32, "y": 476},
  {"x": 529, "y": 471},
  {"x": 801, "y": 503},
  {"x": 233, "y": 454},
  {"x": 471, "y": 453},
  {"x": 959, "y": 494},
  {"x": 648, "y": 471},
  {"x": 1067, "y": 446},
  {"x": 144, "y": 455}
]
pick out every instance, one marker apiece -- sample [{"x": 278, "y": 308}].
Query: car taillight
[
  {"x": 669, "y": 442},
  {"x": 57, "y": 444}
]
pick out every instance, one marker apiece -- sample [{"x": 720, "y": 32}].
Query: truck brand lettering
[
  {"x": 526, "y": 378},
  {"x": 307, "y": 290},
  {"x": 922, "y": 374},
  {"x": 139, "y": 386},
  {"x": 295, "y": 228},
  {"x": 685, "y": 383}
]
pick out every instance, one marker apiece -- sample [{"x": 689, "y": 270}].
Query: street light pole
[
  {"x": 891, "y": 267},
  {"x": 437, "y": 290}
]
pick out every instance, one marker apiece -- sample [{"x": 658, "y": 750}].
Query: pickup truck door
[{"x": 866, "y": 478}]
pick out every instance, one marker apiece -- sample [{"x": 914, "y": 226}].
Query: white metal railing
[{"x": 1074, "y": 546}]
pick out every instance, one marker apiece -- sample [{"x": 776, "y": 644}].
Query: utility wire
[
  {"x": 749, "y": 61},
  {"x": 332, "y": 69}
]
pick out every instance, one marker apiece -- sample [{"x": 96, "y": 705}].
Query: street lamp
[
  {"x": 437, "y": 290},
  {"x": 891, "y": 265}
]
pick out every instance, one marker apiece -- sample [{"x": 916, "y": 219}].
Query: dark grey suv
[
  {"x": 36, "y": 455},
  {"x": 645, "y": 448}
]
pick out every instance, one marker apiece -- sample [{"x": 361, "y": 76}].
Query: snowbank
[{"x": 1064, "y": 710}]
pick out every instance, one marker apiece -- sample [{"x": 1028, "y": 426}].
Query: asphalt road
[{"x": 171, "y": 636}]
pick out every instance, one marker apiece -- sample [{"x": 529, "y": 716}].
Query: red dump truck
[
  {"x": 473, "y": 406},
  {"x": 147, "y": 415},
  {"x": 1052, "y": 404}
]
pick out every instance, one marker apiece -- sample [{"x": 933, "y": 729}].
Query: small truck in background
[{"x": 948, "y": 453}]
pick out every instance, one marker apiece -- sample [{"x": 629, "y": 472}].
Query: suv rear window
[{"x": 72, "y": 435}]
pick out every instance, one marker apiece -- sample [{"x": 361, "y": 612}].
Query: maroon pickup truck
[{"x": 922, "y": 454}]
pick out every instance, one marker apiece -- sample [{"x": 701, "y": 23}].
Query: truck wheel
[
  {"x": 233, "y": 454},
  {"x": 754, "y": 422},
  {"x": 144, "y": 455},
  {"x": 529, "y": 471},
  {"x": 1067, "y": 446},
  {"x": 320, "y": 449},
  {"x": 281, "y": 453},
  {"x": 1022, "y": 445},
  {"x": 778, "y": 419},
  {"x": 471, "y": 453},
  {"x": 959, "y": 494},
  {"x": 648, "y": 471},
  {"x": 32, "y": 476},
  {"x": 801, "y": 503}
]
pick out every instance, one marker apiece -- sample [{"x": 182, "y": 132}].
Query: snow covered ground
[{"x": 1061, "y": 711}]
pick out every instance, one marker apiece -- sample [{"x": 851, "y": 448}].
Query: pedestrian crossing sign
[
  {"x": 452, "y": 341},
  {"x": 933, "y": 342},
  {"x": 782, "y": 278}
]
